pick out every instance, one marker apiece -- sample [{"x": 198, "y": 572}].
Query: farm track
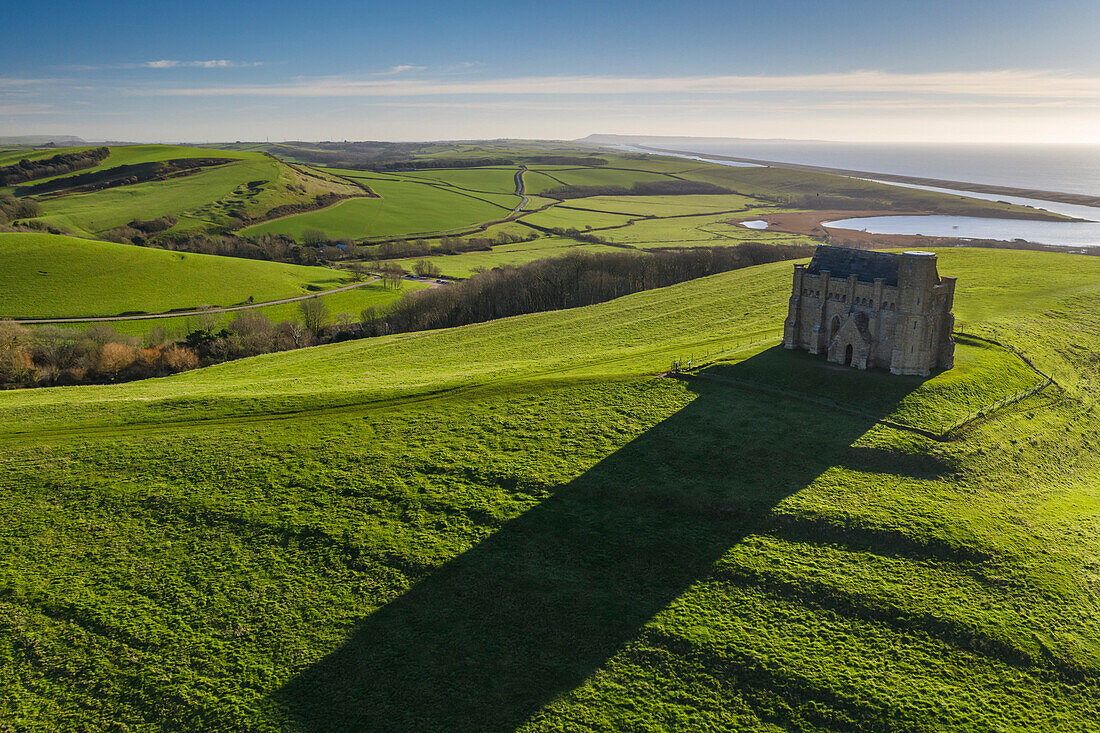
[{"x": 195, "y": 311}]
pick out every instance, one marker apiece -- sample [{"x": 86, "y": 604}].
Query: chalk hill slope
[{"x": 514, "y": 525}]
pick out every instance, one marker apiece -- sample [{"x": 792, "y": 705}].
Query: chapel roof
[{"x": 842, "y": 262}]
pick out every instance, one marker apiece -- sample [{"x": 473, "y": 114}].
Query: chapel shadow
[{"x": 489, "y": 638}]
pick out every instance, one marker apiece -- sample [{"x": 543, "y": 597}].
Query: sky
[{"x": 919, "y": 70}]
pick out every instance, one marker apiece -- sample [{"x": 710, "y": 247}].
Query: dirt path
[{"x": 195, "y": 311}]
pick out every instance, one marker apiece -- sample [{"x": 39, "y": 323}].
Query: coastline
[{"x": 1056, "y": 196}]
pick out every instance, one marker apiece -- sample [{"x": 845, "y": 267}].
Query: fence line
[{"x": 680, "y": 365}]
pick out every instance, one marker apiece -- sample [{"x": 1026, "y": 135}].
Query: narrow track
[{"x": 195, "y": 311}]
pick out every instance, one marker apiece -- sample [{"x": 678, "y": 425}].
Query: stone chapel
[{"x": 873, "y": 309}]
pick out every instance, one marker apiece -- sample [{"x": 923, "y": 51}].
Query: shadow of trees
[{"x": 528, "y": 614}]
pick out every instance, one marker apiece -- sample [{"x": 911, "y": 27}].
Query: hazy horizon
[{"x": 852, "y": 72}]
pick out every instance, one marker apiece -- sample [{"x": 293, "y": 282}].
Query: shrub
[
  {"x": 178, "y": 358},
  {"x": 116, "y": 357}
]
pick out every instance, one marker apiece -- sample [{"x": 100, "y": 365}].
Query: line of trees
[
  {"x": 577, "y": 279},
  {"x": 319, "y": 247},
  {"x": 28, "y": 170}
]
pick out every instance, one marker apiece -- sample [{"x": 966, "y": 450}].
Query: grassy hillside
[
  {"x": 405, "y": 207},
  {"x": 346, "y": 302},
  {"x": 46, "y": 276},
  {"x": 513, "y": 525},
  {"x": 249, "y": 185}
]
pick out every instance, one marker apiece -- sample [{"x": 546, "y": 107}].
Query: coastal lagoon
[
  {"x": 1069, "y": 234},
  {"x": 1090, "y": 213}
]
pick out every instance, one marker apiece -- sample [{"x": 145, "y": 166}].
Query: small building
[{"x": 873, "y": 309}]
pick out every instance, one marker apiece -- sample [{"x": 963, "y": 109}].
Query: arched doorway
[{"x": 848, "y": 356}]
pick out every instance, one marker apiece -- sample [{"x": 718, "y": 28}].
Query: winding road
[
  {"x": 523, "y": 198},
  {"x": 519, "y": 191}
]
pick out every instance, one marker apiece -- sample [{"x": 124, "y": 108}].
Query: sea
[
  {"x": 1062, "y": 168},
  {"x": 1065, "y": 168}
]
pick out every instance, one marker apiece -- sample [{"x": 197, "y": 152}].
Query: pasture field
[
  {"x": 535, "y": 181},
  {"x": 666, "y": 205},
  {"x": 597, "y": 177},
  {"x": 514, "y": 526},
  {"x": 404, "y": 208},
  {"x": 491, "y": 180},
  {"x": 689, "y": 231},
  {"x": 466, "y": 263},
  {"x": 47, "y": 276},
  {"x": 558, "y": 217}
]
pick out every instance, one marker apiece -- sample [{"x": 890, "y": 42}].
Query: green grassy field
[
  {"x": 132, "y": 154},
  {"x": 10, "y": 157},
  {"x": 350, "y": 302},
  {"x": 515, "y": 526},
  {"x": 46, "y": 276},
  {"x": 465, "y": 264},
  {"x": 665, "y": 205},
  {"x": 404, "y": 208},
  {"x": 203, "y": 199},
  {"x": 493, "y": 180},
  {"x": 558, "y": 217},
  {"x": 591, "y": 177}
]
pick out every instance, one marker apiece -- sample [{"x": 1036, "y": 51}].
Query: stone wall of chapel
[{"x": 836, "y": 297}]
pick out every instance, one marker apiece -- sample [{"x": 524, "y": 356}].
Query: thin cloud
[
  {"x": 13, "y": 110},
  {"x": 736, "y": 106},
  {"x": 8, "y": 84},
  {"x": 167, "y": 64},
  {"x": 1015, "y": 84},
  {"x": 400, "y": 69},
  {"x": 211, "y": 64}
]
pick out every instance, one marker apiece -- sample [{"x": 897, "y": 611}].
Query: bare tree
[
  {"x": 358, "y": 271},
  {"x": 291, "y": 335},
  {"x": 426, "y": 268},
  {"x": 392, "y": 273},
  {"x": 314, "y": 315}
]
